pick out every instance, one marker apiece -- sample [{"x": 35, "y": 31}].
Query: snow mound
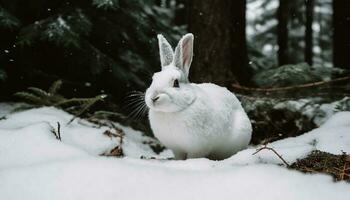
[
  {"x": 26, "y": 138},
  {"x": 35, "y": 165}
]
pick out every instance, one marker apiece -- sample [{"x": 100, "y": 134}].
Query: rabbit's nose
[{"x": 154, "y": 99}]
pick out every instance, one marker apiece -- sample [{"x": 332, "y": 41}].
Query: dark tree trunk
[
  {"x": 341, "y": 35},
  {"x": 282, "y": 32},
  {"x": 220, "y": 52},
  {"x": 308, "y": 31}
]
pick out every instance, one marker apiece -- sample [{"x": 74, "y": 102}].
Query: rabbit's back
[{"x": 231, "y": 126}]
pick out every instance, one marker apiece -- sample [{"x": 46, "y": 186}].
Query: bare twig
[
  {"x": 58, "y": 132},
  {"x": 274, "y": 151},
  {"x": 275, "y": 89}
]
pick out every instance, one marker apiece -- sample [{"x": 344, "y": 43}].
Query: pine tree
[{"x": 91, "y": 45}]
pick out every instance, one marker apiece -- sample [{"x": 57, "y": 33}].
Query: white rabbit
[{"x": 193, "y": 120}]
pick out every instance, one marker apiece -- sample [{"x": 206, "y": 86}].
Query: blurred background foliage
[
  {"x": 109, "y": 47},
  {"x": 99, "y": 46}
]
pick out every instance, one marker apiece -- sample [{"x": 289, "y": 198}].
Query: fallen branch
[
  {"x": 274, "y": 151},
  {"x": 307, "y": 85}
]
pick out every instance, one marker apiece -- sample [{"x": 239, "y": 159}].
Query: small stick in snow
[
  {"x": 274, "y": 151},
  {"x": 58, "y": 132}
]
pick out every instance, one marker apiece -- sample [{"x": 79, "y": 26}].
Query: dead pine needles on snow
[
  {"x": 338, "y": 166},
  {"x": 118, "y": 150}
]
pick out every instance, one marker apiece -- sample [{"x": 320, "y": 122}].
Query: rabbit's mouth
[
  {"x": 158, "y": 101},
  {"x": 162, "y": 103}
]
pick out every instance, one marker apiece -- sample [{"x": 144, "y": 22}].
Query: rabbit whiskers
[{"x": 136, "y": 106}]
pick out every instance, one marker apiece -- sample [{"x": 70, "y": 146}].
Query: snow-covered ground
[
  {"x": 317, "y": 112},
  {"x": 34, "y": 165}
]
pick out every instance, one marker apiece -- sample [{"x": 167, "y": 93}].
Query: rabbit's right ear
[
  {"x": 184, "y": 53},
  {"x": 165, "y": 51}
]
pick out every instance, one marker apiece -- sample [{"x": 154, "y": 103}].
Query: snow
[
  {"x": 26, "y": 138},
  {"x": 319, "y": 113},
  {"x": 35, "y": 165},
  {"x": 340, "y": 119}
]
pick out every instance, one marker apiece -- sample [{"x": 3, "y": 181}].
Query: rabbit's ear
[
  {"x": 184, "y": 53},
  {"x": 165, "y": 51}
]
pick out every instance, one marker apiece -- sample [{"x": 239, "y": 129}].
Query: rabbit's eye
[{"x": 176, "y": 83}]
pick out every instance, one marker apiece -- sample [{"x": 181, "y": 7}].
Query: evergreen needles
[{"x": 76, "y": 106}]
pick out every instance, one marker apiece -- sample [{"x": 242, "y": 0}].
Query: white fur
[{"x": 194, "y": 120}]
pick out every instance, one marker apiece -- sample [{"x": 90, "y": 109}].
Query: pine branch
[
  {"x": 107, "y": 114},
  {"x": 7, "y": 20},
  {"x": 86, "y": 107},
  {"x": 39, "y": 92},
  {"x": 41, "y": 97},
  {"x": 29, "y": 97},
  {"x": 73, "y": 101},
  {"x": 76, "y": 106},
  {"x": 106, "y": 4},
  {"x": 55, "y": 87}
]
